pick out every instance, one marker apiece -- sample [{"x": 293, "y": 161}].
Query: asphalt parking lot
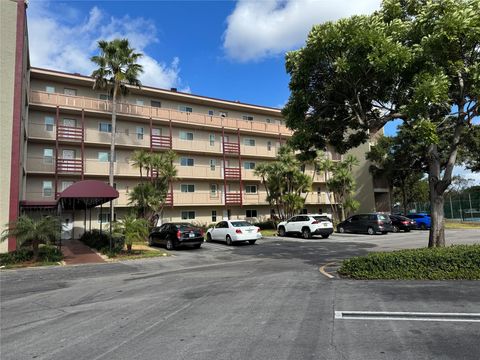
[{"x": 263, "y": 301}]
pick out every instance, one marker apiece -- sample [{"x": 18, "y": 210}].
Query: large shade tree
[
  {"x": 117, "y": 69},
  {"x": 414, "y": 60}
]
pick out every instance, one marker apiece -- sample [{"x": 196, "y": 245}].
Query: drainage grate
[{"x": 412, "y": 316}]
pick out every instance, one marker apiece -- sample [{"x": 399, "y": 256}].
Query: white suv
[{"x": 306, "y": 225}]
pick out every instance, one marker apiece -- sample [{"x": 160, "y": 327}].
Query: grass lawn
[
  {"x": 462, "y": 225},
  {"x": 268, "y": 232},
  {"x": 448, "y": 263},
  {"x": 137, "y": 254}
]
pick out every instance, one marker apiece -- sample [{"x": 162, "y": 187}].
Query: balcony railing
[
  {"x": 232, "y": 173},
  {"x": 233, "y": 198},
  {"x": 161, "y": 142},
  {"x": 81, "y": 102},
  {"x": 69, "y": 133},
  {"x": 69, "y": 165},
  {"x": 231, "y": 148}
]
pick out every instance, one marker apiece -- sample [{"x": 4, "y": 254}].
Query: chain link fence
[{"x": 457, "y": 207}]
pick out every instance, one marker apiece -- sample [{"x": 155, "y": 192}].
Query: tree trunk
[
  {"x": 437, "y": 230},
  {"x": 404, "y": 199},
  {"x": 35, "y": 250},
  {"x": 112, "y": 153}
]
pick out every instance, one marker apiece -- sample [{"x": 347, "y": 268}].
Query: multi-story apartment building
[{"x": 61, "y": 131}]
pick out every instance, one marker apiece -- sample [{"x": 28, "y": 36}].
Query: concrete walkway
[{"x": 75, "y": 252}]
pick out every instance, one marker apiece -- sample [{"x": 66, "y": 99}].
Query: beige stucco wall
[{"x": 8, "y": 23}]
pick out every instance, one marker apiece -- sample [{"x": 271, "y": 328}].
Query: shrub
[
  {"x": 454, "y": 262},
  {"x": 95, "y": 239},
  {"x": 45, "y": 254},
  {"x": 266, "y": 225}
]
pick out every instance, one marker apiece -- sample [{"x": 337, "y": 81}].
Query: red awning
[
  {"x": 41, "y": 205},
  {"x": 87, "y": 194}
]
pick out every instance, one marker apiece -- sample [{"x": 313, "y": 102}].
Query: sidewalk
[{"x": 75, "y": 252}]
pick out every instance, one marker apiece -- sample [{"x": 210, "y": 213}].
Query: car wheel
[
  {"x": 325, "y": 236},
  {"x": 209, "y": 237},
  {"x": 251, "y": 242},
  {"x": 341, "y": 229},
  {"x": 395, "y": 229},
  {"x": 229, "y": 240},
  {"x": 423, "y": 227},
  {"x": 370, "y": 231},
  {"x": 170, "y": 245},
  {"x": 407, "y": 230},
  {"x": 306, "y": 233},
  {"x": 281, "y": 231},
  {"x": 150, "y": 241}
]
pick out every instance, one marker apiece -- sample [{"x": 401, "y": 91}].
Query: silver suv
[{"x": 306, "y": 225}]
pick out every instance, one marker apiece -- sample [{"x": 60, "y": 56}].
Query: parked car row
[{"x": 174, "y": 235}]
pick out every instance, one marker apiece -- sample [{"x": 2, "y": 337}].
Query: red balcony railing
[
  {"x": 232, "y": 173},
  {"x": 69, "y": 165},
  {"x": 169, "y": 199},
  {"x": 233, "y": 198},
  {"x": 161, "y": 142},
  {"x": 69, "y": 133},
  {"x": 231, "y": 148}
]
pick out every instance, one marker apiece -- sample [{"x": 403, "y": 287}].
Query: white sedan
[{"x": 232, "y": 231}]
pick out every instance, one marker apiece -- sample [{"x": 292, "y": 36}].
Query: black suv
[
  {"x": 366, "y": 223},
  {"x": 173, "y": 235}
]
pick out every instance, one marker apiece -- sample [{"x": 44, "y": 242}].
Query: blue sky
[{"x": 226, "y": 49}]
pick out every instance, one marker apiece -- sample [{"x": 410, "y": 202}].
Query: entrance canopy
[{"x": 86, "y": 194}]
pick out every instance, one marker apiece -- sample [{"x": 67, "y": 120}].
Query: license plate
[
  {"x": 191, "y": 235},
  {"x": 325, "y": 225}
]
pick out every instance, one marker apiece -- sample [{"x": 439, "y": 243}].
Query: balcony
[
  {"x": 97, "y": 105},
  {"x": 70, "y": 166},
  {"x": 231, "y": 148},
  {"x": 72, "y": 133},
  {"x": 160, "y": 142},
  {"x": 231, "y": 173},
  {"x": 233, "y": 198}
]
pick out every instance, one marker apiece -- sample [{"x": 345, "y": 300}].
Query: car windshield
[
  {"x": 184, "y": 226},
  {"x": 240, "y": 224},
  {"x": 321, "y": 218}
]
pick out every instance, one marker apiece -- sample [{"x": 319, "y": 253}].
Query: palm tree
[
  {"x": 117, "y": 68},
  {"x": 45, "y": 230},
  {"x": 141, "y": 159},
  {"x": 132, "y": 229}
]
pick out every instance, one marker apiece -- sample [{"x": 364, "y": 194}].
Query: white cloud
[
  {"x": 257, "y": 29},
  {"x": 467, "y": 174},
  {"x": 67, "y": 43}
]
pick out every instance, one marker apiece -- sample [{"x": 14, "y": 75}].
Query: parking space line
[{"x": 406, "y": 315}]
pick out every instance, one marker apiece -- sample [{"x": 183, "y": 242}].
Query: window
[
  {"x": 250, "y": 189},
  {"x": 139, "y": 102},
  {"x": 66, "y": 184},
  {"x": 47, "y": 188},
  {"x": 251, "y": 213},
  {"x": 249, "y": 142},
  {"x": 248, "y": 165},
  {"x": 213, "y": 189},
  {"x": 50, "y": 89},
  {"x": 185, "y": 135},
  {"x": 48, "y": 156},
  {"x": 155, "y": 103},
  {"x": 187, "y": 161},
  {"x": 269, "y": 145},
  {"x": 187, "y": 188},
  {"x": 104, "y": 156},
  {"x": 247, "y": 117},
  {"x": 185, "y": 108},
  {"x": 105, "y": 218},
  {"x": 212, "y": 139},
  {"x": 188, "y": 215},
  {"x": 214, "y": 215},
  {"x": 268, "y": 120},
  {"x": 49, "y": 121},
  {"x": 105, "y": 97},
  {"x": 139, "y": 133},
  {"x": 213, "y": 164},
  {"x": 71, "y": 92},
  {"x": 105, "y": 127},
  {"x": 211, "y": 112}
]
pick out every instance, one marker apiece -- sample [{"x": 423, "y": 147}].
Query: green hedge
[
  {"x": 454, "y": 262},
  {"x": 46, "y": 253},
  {"x": 101, "y": 240},
  {"x": 266, "y": 225}
]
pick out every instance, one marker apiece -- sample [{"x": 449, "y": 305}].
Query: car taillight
[
  {"x": 258, "y": 229},
  {"x": 238, "y": 231},
  {"x": 202, "y": 232},
  {"x": 380, "y": 222},
  {"x": 179, "y": 234},
  {"x": 405, "y": 222},
  {"x": 316, "y": 222}
]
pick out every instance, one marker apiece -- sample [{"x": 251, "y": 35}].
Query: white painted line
[
  {"x": 323, "y": 271},
  {"x": 407, "y": 315}
]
